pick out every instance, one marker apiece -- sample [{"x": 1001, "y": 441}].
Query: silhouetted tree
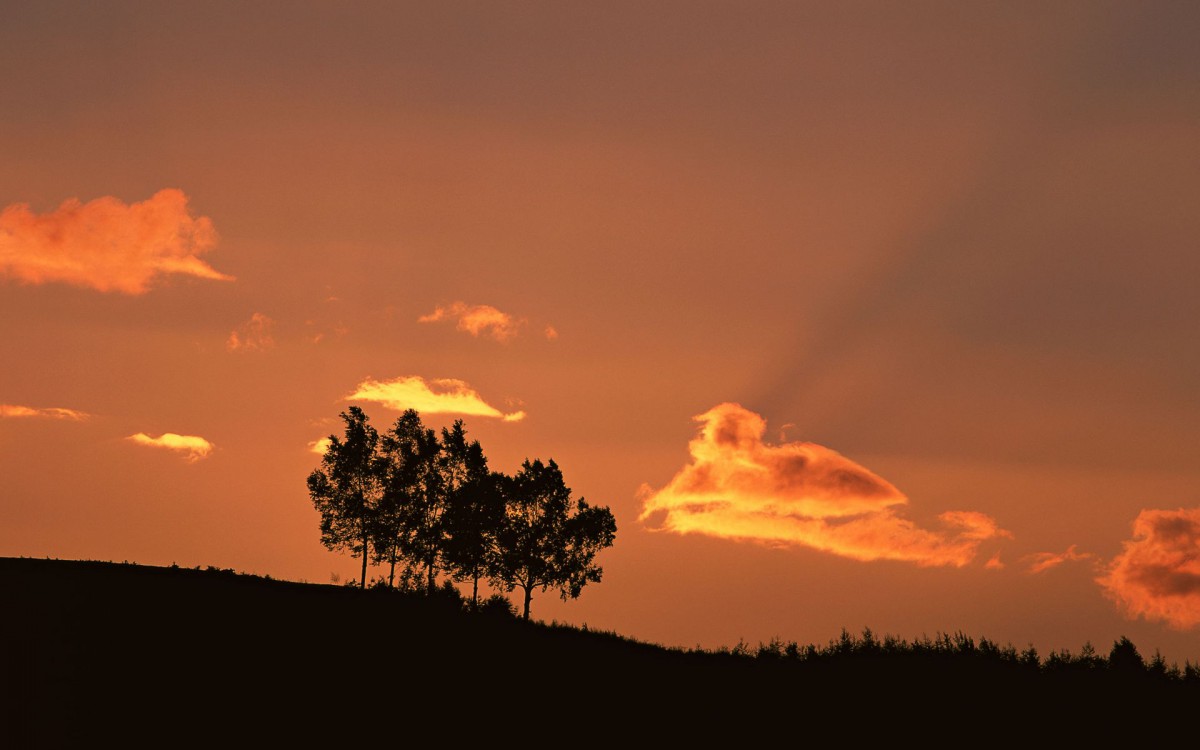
[
  {"x": 474, "y": 512},
  {"x": 1124, "y": 657},
  {"x": 548, "y": 540},
  {"x": 413, "y": 495},
  {"x": 346, "y": 489}
]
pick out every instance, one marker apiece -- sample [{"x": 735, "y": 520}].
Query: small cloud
[
  {"x": 551, "y": 333},
  {"x": 1039, "y": 562},
  {"x": 193, "y": 447},
  {"x": 252, "y": 336},
  {"x": 740, "y": 487},
  {"x": 51, "y": 412},
  {"x": 1157, "y": 573},
  {"x": 105, "y": 244},
  {"x": 325, "y": 331},
  {"x": 994, "y": 562},
  {"x": 477, "y": 320},
  {"x": 320, "y": 446},
  {"x": 438, "y": 396}
]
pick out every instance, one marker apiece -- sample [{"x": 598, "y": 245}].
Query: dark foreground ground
[{"x": 94, "y": 652}]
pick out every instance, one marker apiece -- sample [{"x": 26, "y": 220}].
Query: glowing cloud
[
  {"x": 105, "y": 244},
  {"x": 477, "y": 320},
  {"x": 739, "y": 487},
  {"x": 320, "y": 446},
  {"x": 193, "y": 447},
  {"x": 551, "y": 333},
  {"x": 1157, "y": 573},
  {"x": 439, "y": 396},
  {"x": 1039, "y": 562},
  {"x": 252, "y": 336},
  {"x": 52, "y": 412}
]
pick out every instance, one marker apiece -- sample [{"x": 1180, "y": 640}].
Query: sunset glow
[
  {"x": 476, "y": 320},
  {"x": 740, "y": 487},
  {"x": 105, "y": 244},
  {"x": 436, "y": 396},
  {"x": 192, "y": 447},
  {"x": 1157, "y": 574},
  {"x": 254, "y": 335},
  {"x": 51, "y": 412},
  {"x": 1039, "y": 562},
  {"x": 854, "y": 314}
]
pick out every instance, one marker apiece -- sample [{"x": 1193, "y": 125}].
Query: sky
[{"x": 855, "y": 315}]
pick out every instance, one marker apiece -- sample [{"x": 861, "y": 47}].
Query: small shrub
[{"x": 497, "y": 605}]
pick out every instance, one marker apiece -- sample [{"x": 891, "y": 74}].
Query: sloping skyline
[{"x": 923, "y": 274}]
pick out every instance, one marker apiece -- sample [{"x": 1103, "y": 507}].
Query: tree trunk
[
  {"x": 392, "y": 572},
  {"x": 528, "y": 598},
  {"x": 365, "y": 550},
  {"x": 475, "y": 591}
]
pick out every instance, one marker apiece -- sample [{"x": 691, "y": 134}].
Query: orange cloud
[
  {"x": 320, "y": 446},
  {"x": 438, "y": 396},
  {"x": 739, "y": 487},
  {"x": 252, "y": 336},
  {"x": 193, "y": 447},
  {"x": 477, "y": 320},
  {"x": 52, "y": 412},
  {"x": 1157, "y": 573},
  {"x": 1042, "y": 561},
  {"x": 551, "y": 333},
  {"x": 105, "y": 244}
]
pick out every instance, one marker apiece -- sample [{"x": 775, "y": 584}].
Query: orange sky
[{"x": 873, "y": 315}]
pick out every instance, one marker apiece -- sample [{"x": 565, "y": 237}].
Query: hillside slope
[{"x": 181, "y": 656}]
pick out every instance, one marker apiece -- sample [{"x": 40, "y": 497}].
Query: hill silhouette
[{"x": 188, "y": 656}]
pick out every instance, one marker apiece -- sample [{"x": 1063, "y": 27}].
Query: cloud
[
  {"x": 105, "y": 244},
  {"x": 438, "y": 396},
  {"x": 739, "y": 487},
  {"x": 252, "y": 336},
  {"x": 193, "y": 446},
  {"x": 551, "y": 333},
  {"x": 1040, "y": 562},
  {"x": 477, "y": 320},
  {"x": 994, "y": 562},
  {"x": 1157, "y": 573},
  {"x": 320, "y": 446},
  {"x": 51, "y": 412}
]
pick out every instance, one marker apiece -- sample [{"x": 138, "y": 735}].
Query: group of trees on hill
[{"x": 429, "y": 505}]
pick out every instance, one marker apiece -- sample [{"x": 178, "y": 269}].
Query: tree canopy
[
  {"x": 346, "y": 489},
  {"x": 430, "y": 505}
]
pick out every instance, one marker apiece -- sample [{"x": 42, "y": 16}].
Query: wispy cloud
[
  {"x": 51, "y": 412},
  {"x": 193, "y": 447},
  {"x": 252, "y": 336},
  {"x": 477, "y": 320},
  {"x": 1157, "y": 573},
  {"x": 1040, "y": 562},
  {"x": 105, "y": 244},
  {"x": 438, "y": 396},
  {"x": 320, "y": 446},
  {"x": 551, "y": 333},
  {"x": 740, "y": 487}
]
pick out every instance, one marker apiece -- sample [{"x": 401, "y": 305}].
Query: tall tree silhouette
[
  {"x": 474, "y": 511},
  {"x": 346, "y": 489},
  {"x": 414, "y": 495},
  {"x": 473, "y": 520},
  {"x": 548, "y": 540}
]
